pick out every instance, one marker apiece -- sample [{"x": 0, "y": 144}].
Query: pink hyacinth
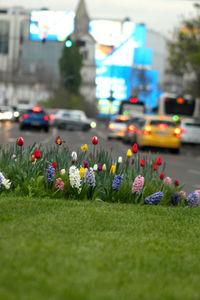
[
  {"x": 182, "y": 194},
  {"x": 198, "y": 192},
  {"x": 167, "y": 181},
  {"x": 59, "y": 184},
  {"x": 138, "y": 184}
]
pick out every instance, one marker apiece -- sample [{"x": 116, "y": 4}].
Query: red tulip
[
  {"x": 159, "y": 160},
  {"x": 20, "y": 141},
  {"x": 142, "y": 163},
  {"x": 37, "y": 153},
  {"x": 135, "y": 148},
  {"x": 176, "y": 182},
  {"x": 154, "y": 166},
  {"x": 32, "y": 158},
  {"x": 162, "y": 176},
  {"x": 54, "y": 165},
  {"x": 95, "y": 140},
  {"x": 58, "y": 140}
]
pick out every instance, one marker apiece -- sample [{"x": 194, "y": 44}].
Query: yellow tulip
[
  {"x": 113, "y": 169},
  {"x": 84, "y": 147},
  {"x": 82, "y": 172},
  {"x": 129, "y": 153}
]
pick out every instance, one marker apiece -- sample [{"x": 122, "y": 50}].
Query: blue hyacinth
[
  {"x": 175, "y": 199},
  {"x": 90, "y": 177},
  {"x": 0, "y": 180},
  {"x": 117, "y": 182},
  {"x": 192, "y": 199},
  {"x": 154, "y": 199},
  {"x": 50, "y": 173}
]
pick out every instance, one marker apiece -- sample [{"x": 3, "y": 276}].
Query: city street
[{"x": 184, "y": 167}]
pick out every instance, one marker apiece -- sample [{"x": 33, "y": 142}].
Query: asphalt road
[{"x": 185, "y": 167}]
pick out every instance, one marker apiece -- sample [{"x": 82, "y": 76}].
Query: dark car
[
  {"x": 132, "y": 125},
  {"x": 34, "y": 118}
]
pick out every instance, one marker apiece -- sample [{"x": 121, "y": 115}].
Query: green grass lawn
[{"x": 56, "y": 249}]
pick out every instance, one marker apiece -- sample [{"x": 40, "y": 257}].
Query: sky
[{"x": 159, "y": 15}]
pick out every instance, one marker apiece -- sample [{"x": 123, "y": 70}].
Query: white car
[
  {"x": 190, "y": 131},
  {"x": 6, "y": 113},
  {"x": 72, "y": 119}
]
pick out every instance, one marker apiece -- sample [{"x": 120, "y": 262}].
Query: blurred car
[
  {"x": 190, "y": 131},
  {"x": 34, "y": 118},
  {"x": 73, "y": 120},
  {"x": 117, "y": 127},
  {"x": 6, "y": 113},
  {"x": 132, "y": 125},
  {"x": 159, "y": 131}
]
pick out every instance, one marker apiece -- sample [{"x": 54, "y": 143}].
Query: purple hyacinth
[
  {"x": 117, "y": 182},
  {"x": 50, "y": 173},
  {"x": 154, "y": 199},
  {"x": 175, "y": 199},
  {"x": 90, "y": 177},
  {"x": 192, "y": 199},
  {"x": 0, "y": 180}
]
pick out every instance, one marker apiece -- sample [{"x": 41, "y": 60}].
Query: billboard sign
[{"x": 51, "y": 25}]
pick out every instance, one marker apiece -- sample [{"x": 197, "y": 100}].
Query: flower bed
[{"x": 89, "y": 175}]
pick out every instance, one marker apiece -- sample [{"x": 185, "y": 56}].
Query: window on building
[{"x": 4, "y": 37}]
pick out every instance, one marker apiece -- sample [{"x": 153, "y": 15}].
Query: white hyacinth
[
  {"x": 95, "y": 168},
  {"x": 74, "y": 155},
  {"x": 74, "y": 177},
  {"x": 5, "y": 182},
  {"x": 120, "y": 159},
  {"x": 62, "y": 171}
]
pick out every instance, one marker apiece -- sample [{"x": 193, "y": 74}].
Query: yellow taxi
[{"x": 159, "y": 131}]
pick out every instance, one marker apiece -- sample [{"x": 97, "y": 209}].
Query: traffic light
[
  {"x": 133, "y": 99},
  {"x": 68, "y": 43}
]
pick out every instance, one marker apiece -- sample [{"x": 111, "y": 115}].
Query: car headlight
[
  {"x": 16, "y": 114},
  {"x": 93, "y": 124}
]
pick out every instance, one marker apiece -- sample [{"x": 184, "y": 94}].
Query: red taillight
[
  {"x": 111, "y": 126},
  {"x": 183, "y": 129},
  {"x": 46, "y": 118},
  {"x": 131, "y": 128},
  {"x": 25, "y": 116},
  {"x": 177, "y": 132},
  {"x": 52, "y": 117},
  {"x": 147, "y": 129}
]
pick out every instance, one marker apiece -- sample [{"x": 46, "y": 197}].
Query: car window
[
  {"x": 30, "y": 111},
  {"x": 192, "y": 124},
  {"x": 157, "y": 122}
]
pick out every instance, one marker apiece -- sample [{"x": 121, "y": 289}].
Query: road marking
[{"x": 194, "y": 172}]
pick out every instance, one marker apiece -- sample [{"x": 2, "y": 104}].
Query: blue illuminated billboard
[
  {"x": 115, "y": 52},
  {"x": 51, "y": 25}
]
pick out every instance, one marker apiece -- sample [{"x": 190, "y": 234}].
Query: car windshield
[
  {"x": 192, "y": 124},
  {"x": 157, "y": 122}
]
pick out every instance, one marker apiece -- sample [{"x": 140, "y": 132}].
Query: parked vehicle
[
  {"x": 132, "y": 125},
  {"x": 73, "y": 120},
  {"x": 190, "y": 131},
  {"x": 160, "y": 131},
  {"x": 117, "y": 127},
  {"x": 34, "y": 118}
]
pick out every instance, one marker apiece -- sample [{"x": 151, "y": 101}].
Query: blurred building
[{"x": 29, "y": 70}]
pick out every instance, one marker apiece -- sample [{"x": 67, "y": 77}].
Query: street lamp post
[{"x": 111, "y": 99}]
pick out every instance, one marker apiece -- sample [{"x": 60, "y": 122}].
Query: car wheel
[
  {"x": 85, "y": 128},
  {"x": 175, "y": 151},
  {"x": 22, "y": 127},
  {"x": 46, "y": 129},
  {"x": 61, "y": 126}
]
